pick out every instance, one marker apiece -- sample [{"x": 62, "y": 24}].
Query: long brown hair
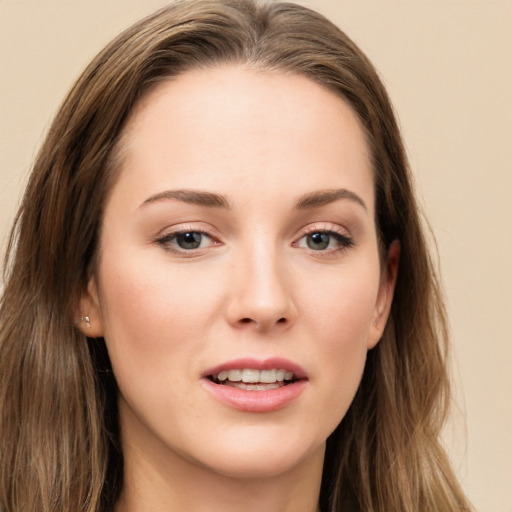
[{"x": 59, "y": 439}]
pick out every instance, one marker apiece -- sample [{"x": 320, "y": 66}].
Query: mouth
[
  {"x": 251, "y": 379},
  {"x": 253, "y": 385}
]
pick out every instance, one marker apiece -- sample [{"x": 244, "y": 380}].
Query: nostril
[{"x": 248, "y": 320}]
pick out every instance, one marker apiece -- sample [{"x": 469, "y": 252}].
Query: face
[{"x": 239, "y": 284}]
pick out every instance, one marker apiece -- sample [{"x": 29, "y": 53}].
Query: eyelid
[
  {"x": 186, "y": 226},
  {"x": 323, "y": 227},
  {"x": 169, "y": 233},
  {"x": 345, "y": 238}
]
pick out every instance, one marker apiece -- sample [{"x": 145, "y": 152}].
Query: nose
[{"x": 261, "y": 293}]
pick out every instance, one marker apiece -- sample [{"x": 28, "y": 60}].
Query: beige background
[{"x": 448, "y": 68}]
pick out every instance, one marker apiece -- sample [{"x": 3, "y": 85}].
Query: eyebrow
[
  {"x": 325, "y": 197},
  {"x": 209, "y": 199},
  {"x": 196, "y": 197}
]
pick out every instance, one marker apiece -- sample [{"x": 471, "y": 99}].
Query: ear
[
  {"x": 89, "y": 318},
  {"x": 385, "y": 295}
]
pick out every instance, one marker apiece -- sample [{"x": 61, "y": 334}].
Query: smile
[
  {"x": 254, "y": 380},
  {"x": 252, "y": 385}
]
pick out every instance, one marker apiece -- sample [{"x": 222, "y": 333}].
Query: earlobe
[
  {"x": 89, "y": 319},
  {"x": 385, "y": 295}
]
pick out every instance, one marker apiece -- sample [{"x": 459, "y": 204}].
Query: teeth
[
  {"x": 235, "y": 375},
  {"x": 250, "y": 376},
  {"x": 268, "y": 376},
  {"x": 280, "y": 375},
  {"x": 254, "y": 387}
]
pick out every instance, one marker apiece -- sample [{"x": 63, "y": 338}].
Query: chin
[
  {"x": 258, "y": 467},
  {"x": 262, "y": 456}
]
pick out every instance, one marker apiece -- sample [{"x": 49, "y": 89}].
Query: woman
[{"x": 218, "y": 292}]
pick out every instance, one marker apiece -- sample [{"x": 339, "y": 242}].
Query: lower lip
[{"x": 256, "y": 401}]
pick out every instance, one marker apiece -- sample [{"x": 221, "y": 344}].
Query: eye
[
  {"x": 185, "y": 241},
  {"x": 189, "y": 240},
  {"x": 324, "y": 240},
  {"x": 318, "y": 241}
]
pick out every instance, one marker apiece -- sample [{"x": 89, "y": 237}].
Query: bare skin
[{"x": 240, "y": 233}]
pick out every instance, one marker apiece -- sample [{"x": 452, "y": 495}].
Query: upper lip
[{"x": 258, "y": 364}]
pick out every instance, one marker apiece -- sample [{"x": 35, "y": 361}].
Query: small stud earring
[{"x": 85, "y": 319}]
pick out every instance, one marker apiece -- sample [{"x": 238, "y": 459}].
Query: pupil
[
  {"x": 318, "y": 241},
  {"x": 190, "y": 240}
]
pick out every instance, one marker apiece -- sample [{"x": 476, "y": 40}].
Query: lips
[
  {"x": 254, "y": 385},
  {"x": 274, "y": 363}
]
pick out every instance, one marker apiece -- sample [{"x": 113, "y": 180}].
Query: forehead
[{"x": 269, "y": 130}]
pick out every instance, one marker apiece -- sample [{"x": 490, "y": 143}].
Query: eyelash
[
  {"x": 345, "y": 242},
  {"x": 168, "y": 241}
]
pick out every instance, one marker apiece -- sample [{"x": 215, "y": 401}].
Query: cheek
[
  {"x": 342, "y": 309},
  {"x": 151, "y": 313},
  {"x": 340, "y": 320},
  {"x": 155, "y": 324}
]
